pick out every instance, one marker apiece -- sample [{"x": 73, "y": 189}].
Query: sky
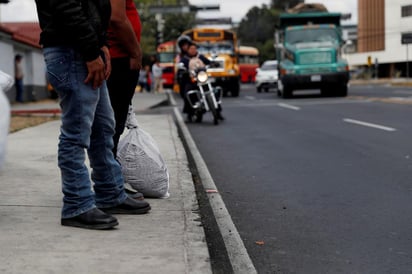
[{"x": 25, "y": 10}]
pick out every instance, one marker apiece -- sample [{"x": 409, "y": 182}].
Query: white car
[{"x": 267, "y": 76}]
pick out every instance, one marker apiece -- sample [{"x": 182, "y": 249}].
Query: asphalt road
[{"x": 317, "y": 185}]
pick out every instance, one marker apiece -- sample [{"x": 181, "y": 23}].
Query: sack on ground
[
  {"x": 4, "y": 125},
  {"x": 142, "y": 164},
  {"x": 6, "y": 81}
]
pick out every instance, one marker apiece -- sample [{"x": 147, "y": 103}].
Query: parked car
[{"x": 267, "y": 76}]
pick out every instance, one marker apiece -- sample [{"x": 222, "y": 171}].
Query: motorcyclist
[
  {"x": 183, "y": 43},
  {"x": 191, "y": 61}
]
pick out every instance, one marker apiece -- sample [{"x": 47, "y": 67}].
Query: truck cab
[{"x": 308, "y": 48}]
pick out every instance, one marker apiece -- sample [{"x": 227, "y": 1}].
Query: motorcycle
[{"x": 205, "y": 98}]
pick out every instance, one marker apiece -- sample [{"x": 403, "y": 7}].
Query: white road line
[
  {"x": 357, "y": 122},
  {"x": 250, "y": 97},
  {"x": 288, "y": 106}
]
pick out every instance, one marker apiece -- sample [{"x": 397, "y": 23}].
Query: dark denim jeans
[
  {"x": 87, "y": 124},
  {"x": 18, "y": 83},
  {"x": 121, "y": 84}
]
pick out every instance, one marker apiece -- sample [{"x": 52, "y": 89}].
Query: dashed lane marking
[
  {"x": 366, "y": 124},
  {"x": 283, "y": 105}
]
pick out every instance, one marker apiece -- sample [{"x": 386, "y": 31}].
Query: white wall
[
  {"x": 7, "y": 58},
  {"x": 34, "y": 68},
  {"x": 394, "y": 25},
  {"x": 33, "y": 62}
]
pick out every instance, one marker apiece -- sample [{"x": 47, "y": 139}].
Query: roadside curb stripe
[{"x": 238, "y": 255}]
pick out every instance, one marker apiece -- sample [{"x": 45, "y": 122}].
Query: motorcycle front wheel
[{"x": 213, "y": 109}]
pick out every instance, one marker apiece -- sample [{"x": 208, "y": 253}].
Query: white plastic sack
[
  {"x": 4, "y": 125},
  {"x": 142, "y": 164},
  {"x": 6, "y": 81}
]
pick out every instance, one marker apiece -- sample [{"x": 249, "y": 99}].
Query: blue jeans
[
  {"x": 87, "y": 124},
  {"x": 18, "y": 83}
]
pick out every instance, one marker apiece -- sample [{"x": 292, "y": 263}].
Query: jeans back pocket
[{"x": 58, "y": 68}]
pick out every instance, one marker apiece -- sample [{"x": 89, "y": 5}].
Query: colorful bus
[
  {"x": 220, "y": 46},
  {"x": 248, "y": 63},
  {"x": 166, "y": 53}
]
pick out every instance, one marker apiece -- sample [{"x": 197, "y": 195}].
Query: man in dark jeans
[
  {"x": 126, "y": 59},
  {"x": 73, "y": 40},
  {"x": 18, "y": 78}
]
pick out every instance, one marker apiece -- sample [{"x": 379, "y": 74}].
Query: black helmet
[{"x": 183, "y": 39}]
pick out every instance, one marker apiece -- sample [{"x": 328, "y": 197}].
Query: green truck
[{"x": 308, "y": 45}]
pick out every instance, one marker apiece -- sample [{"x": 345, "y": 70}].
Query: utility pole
[
  {"x": 406, "y": 39},
  {"x": 159, "y": 28},
  {"x": 407, "y": 61}
]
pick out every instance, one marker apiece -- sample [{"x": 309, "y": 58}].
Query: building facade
[
  {"x": 381, "y": 26},
  {"x": 22, "y": 38}
]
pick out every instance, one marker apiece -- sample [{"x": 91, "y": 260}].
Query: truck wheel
[
  {"x": 287, "y": 92},
  {"x": 259, "y": 89},
  {"x": 343, "y": 91},
  {"x": 235, "y": 88}
]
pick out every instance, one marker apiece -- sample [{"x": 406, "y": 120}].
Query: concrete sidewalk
[
  {"x": 399, "y": 82},
  {"x": 170, "y": 239}
]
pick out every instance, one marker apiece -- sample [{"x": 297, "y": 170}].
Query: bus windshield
[
  {"x": 216, "y": 48},
  {"x": 306, "y": 37}
]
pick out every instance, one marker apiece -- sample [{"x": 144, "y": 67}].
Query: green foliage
[
  {"x": 257, "y": 29},
  {"x": 284, "y": 4},
  {"x": 257, "y": 26},
  {"x": 174, "y": 24},
  {"x": 148, "y": 37}
]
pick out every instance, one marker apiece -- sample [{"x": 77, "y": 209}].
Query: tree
[
  {"x": 174, "y": 24},
  {"x": 257, "y": 26},
  {"x": 257, "y": 29},
  {"x": 284, "y": 4}
]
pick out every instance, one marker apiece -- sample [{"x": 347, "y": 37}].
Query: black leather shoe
[
  {"x": 134, "y": 194},
  {"x": 129, "y": 206},
  {"x": 92, "y": 219}
]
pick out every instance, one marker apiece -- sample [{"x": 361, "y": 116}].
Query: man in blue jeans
[
  {"x": 18, "y": 78},
  {"x": 78, "y": 63}
]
